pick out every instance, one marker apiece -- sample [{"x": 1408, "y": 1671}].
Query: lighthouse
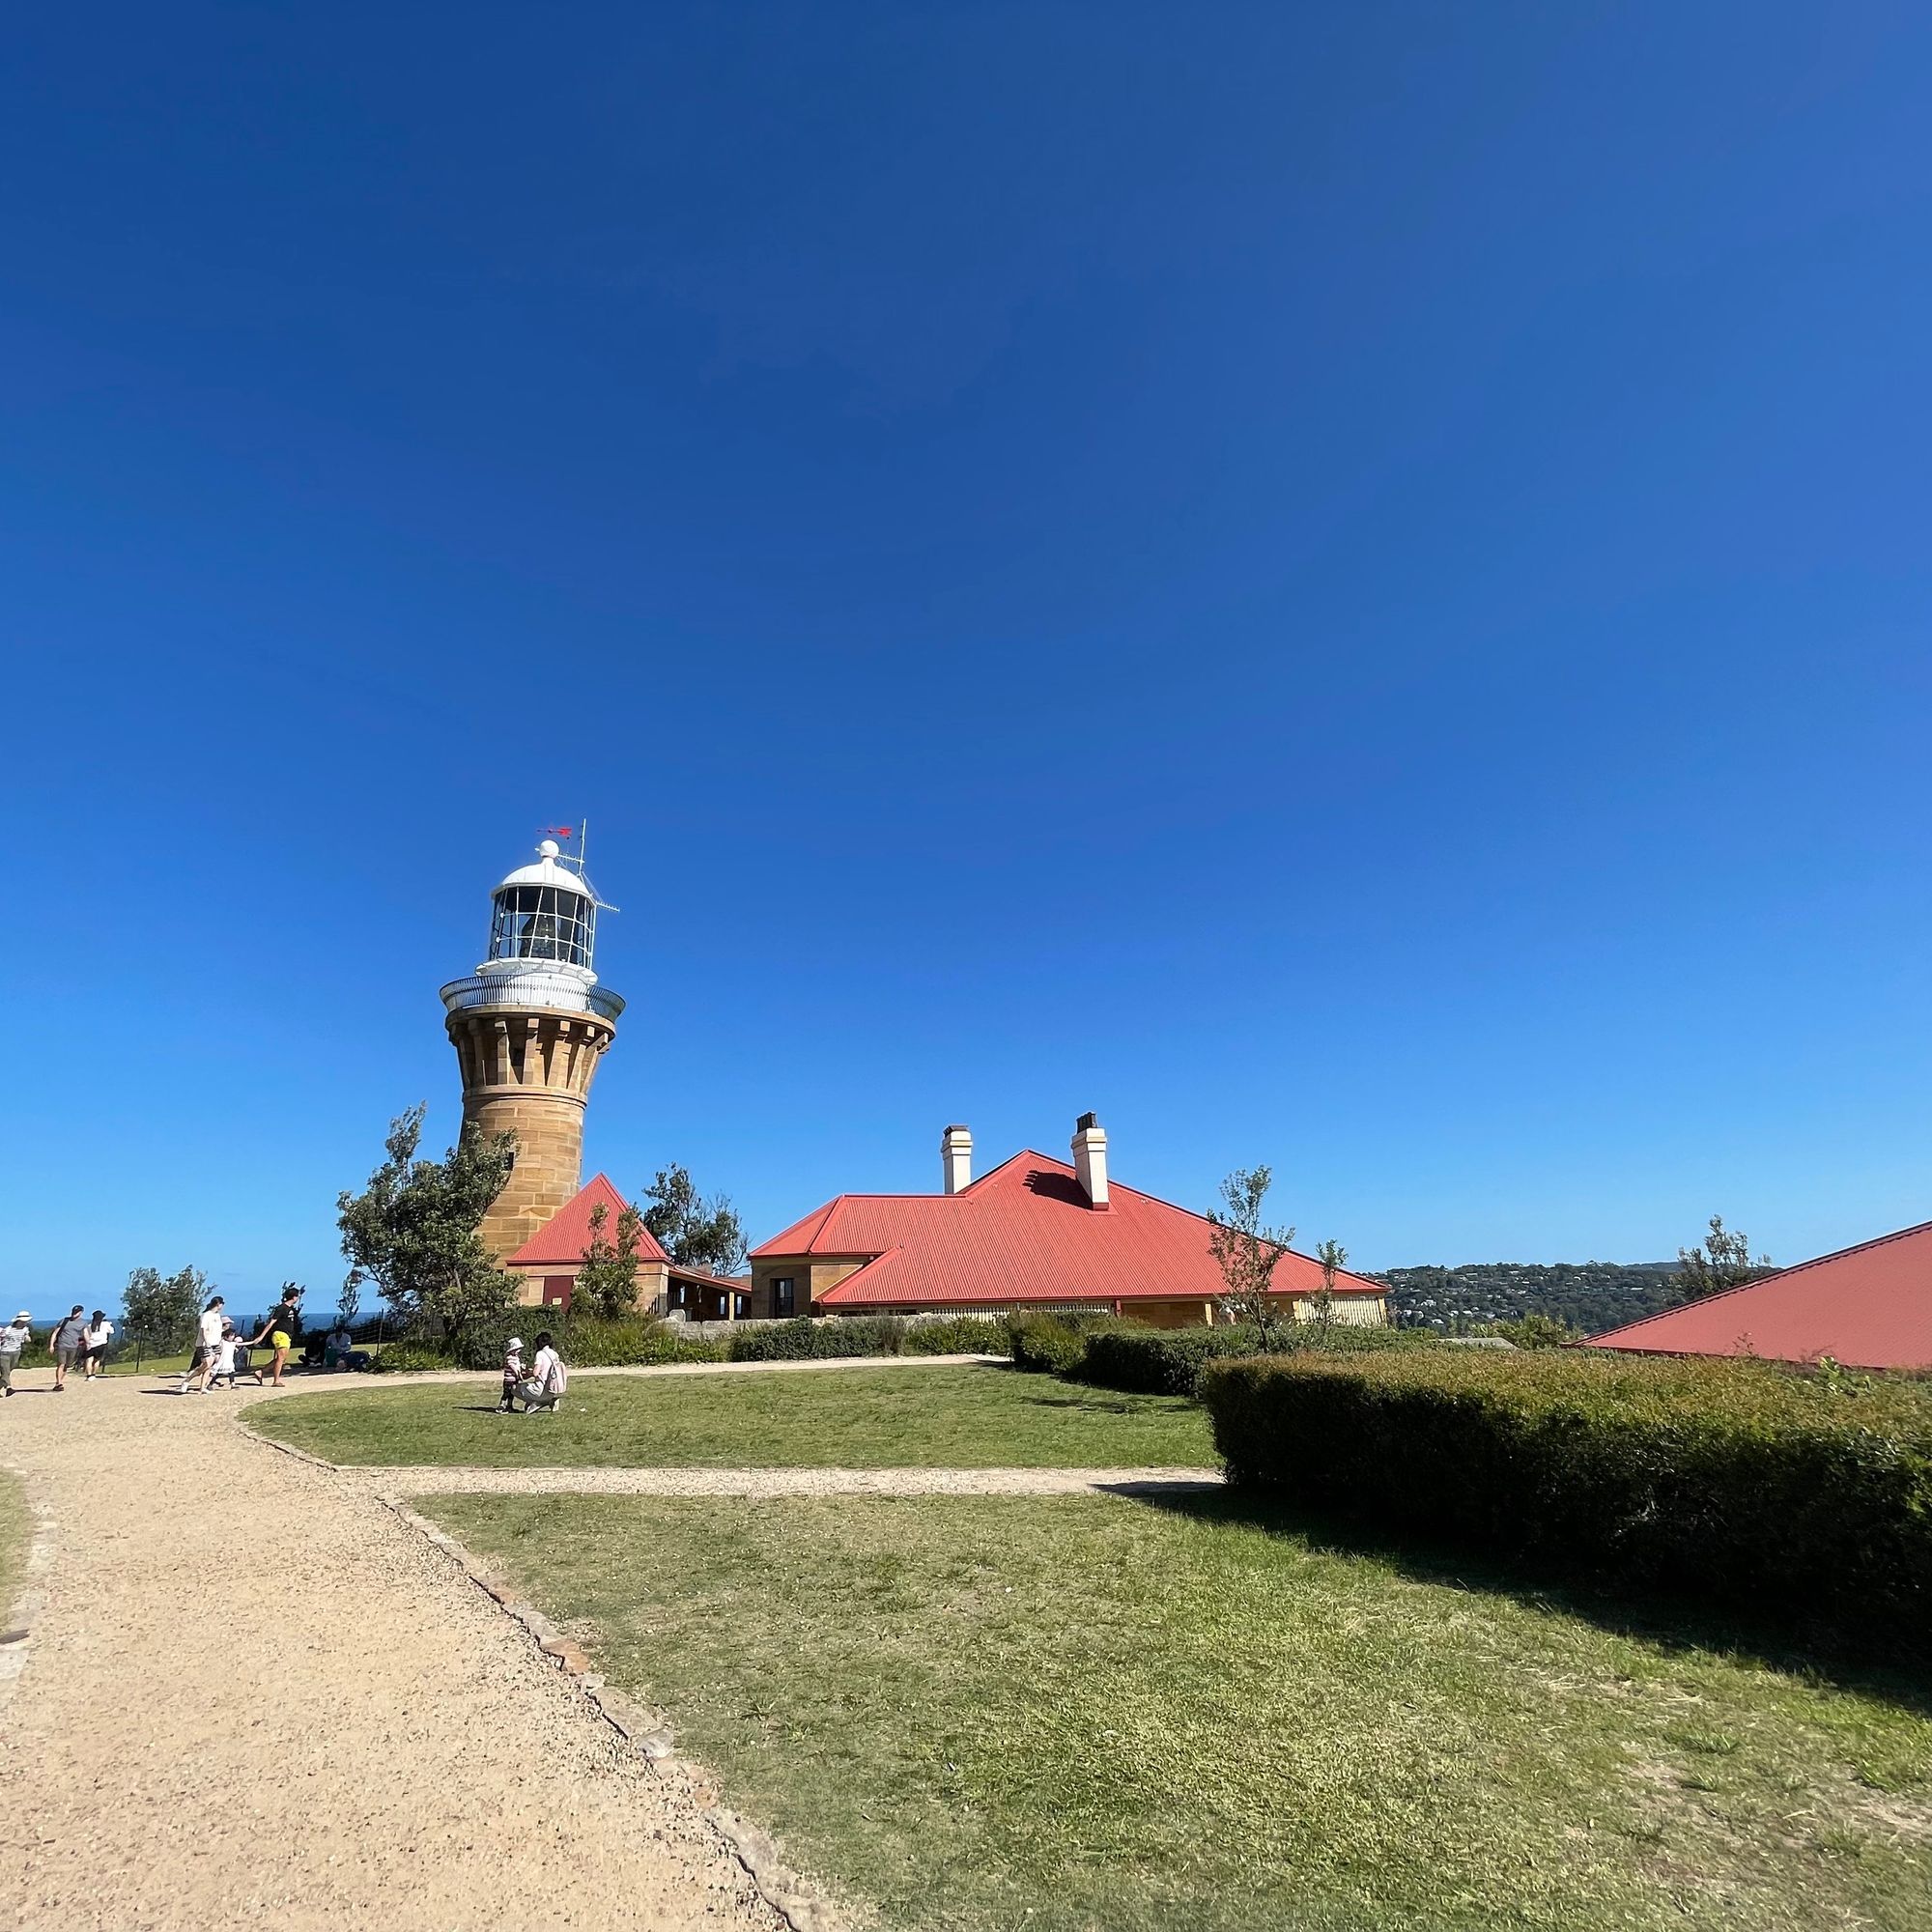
[{"x": 530, "y": 1026}]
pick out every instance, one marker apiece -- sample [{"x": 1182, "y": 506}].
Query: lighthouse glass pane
[{"x": 541, "y": 923}]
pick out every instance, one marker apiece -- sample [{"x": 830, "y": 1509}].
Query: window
[
  {"x": 785, "y": 1295},
  {"x": 541, "y": 923}
]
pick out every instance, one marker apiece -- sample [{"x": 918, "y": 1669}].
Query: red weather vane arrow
[{"x": 557, "y": 831}]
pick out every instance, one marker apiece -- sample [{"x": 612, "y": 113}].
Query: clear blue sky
[{"x": 1346, "y": 586}]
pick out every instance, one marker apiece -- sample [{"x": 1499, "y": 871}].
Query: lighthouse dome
[{"x": 549, "y": 870}]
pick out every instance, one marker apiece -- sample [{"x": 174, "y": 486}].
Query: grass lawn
[
  {"x": 1075, "y": 1712},
  {"x": 14, "y": 1526},
  {"x": 981, "y": 1417}
]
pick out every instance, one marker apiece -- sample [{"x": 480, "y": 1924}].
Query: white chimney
[
  {"x": 955, "y": 1158},
  {"x": 1089, "y": 1158}
]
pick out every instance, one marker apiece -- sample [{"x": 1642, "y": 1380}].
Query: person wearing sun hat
[{"x": 14, "y": 1337}]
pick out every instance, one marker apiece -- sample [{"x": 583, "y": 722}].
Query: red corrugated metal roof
[
  {"x": 562, "y": 1240},
  {"x": 1869, "y": 1307},
  {"x": 1022, "y": 1233}
]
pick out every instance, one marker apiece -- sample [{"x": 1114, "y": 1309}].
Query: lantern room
[{"x": 544, "y": 912}]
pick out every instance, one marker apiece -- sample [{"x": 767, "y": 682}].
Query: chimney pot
[
  {"x": 955, "y": 1159},
  {"x": 1090, "y": 1159}
]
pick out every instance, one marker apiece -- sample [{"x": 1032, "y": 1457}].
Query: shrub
[
  {"x": 410, "y": 1356},
  {"x": 959, "y": 1335},
  {"x": 584, "y": 1340},
  {"x": 1050, "y": 1344},
  {"x": 805, "y": 1340},
  {"x": 1731, "y": 1479}
]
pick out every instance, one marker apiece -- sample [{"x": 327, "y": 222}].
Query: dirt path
[
  {"x": 254, "y": 1696},
  {"x": 467, "y": 1481},
  {"x": 326, "y": 1384}
]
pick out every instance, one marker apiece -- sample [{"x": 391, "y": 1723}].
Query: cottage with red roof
[
  {"x": 547, "y": 1264},
  {"x": 1868, "y": 1307},
  {"x": 1035, "y": 1232}
]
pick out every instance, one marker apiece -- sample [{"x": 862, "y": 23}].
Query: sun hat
[
  {"x": 515, "y": 1342},
  {"x": 26, "y": 1315}
]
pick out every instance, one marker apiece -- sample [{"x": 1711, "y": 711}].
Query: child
[
  {"x": 224, "y": 1356},
  {"x": 513, "y": 1375}
]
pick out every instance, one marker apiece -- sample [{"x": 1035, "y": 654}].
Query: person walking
[
  {"x": 225, "y": 1351},
  {"x": 207, "y": 1339},
  {"x": 66, "y": 1343},
  {"x": 14, "y": 1337},
  {"x": 280, "y": 1329},
  {"x": 99, "y": 1333}
]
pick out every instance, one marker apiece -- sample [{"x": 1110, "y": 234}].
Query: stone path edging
[
  {"x": 17, "y": 1637},
  {"x": 799, "y": 1903}
]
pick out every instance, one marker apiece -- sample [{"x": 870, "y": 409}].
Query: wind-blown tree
[
  {"x": 695, "y": 1232},
  {"x": 608, "y": 1280},
  {"x": 1247, "y": 1251},
  {"x": 157, "y": 1310},
  {"x": 412, "y": 1230},
  {"x": 1721, "y": 1259}
]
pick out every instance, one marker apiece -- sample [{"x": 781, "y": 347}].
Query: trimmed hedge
[
  {"x": 1734, "y": 1480},
  {"x": 1169, "y": 1361},
  {"x": 590, "y": 1342},
  {"x": 586, "y": 1341},
  {"x": 805, "y": 1340}
]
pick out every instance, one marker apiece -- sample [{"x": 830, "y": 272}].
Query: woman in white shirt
[
  {"x": 100, "y": 1332},
  {"x": 208, "y": 1340},
  {"x": 549, "y": 1378}
]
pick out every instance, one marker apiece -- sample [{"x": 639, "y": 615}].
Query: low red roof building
[
  {"x": 546, "y": 1265},
  {"x": 1869, "y": 1307},
  {"x": 1035, "y": 1232}
]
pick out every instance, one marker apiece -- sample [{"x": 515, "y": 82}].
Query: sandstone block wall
[{"x": 530, "y": 1073}]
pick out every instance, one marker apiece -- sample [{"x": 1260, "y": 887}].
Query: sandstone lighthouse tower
[{"x": 530, "y": 1026}]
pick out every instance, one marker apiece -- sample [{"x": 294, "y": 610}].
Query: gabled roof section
[
  {"x": 1023, "y": 1232},
  {"x": 562, "y": 1240},
  {"x": 1868, "y": 1306}
]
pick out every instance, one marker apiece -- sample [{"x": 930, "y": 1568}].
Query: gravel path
[
  {"x": 254, "y": 1696},
  {"x": 324, "y": 1384},
  {"x": 395, "y": 1480}
]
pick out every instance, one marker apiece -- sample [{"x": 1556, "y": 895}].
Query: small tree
[
  {"x": 1248, "y": 1253},
  {"x": 695, "y": 1232},
  {"x": 1536, "y": 1331},
  {"x": 1333, "y": 1257},
  {"x": 1721, "y": 1261},
  {"x": 157, "y": 1310},
  {"x": 608, "y": 1280},
  {"x": 412, "y": 1230}
]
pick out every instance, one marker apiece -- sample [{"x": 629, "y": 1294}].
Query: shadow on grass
[{"x": 1850, "y": 1661}]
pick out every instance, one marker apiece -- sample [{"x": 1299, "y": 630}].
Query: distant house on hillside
[
  {"x": 1869, "y": 1307},
  {"x": 548, "y": 1263},
  {"x": 1035, "y": 1232}
]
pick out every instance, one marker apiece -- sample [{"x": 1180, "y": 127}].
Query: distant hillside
[{"x": 1586, "y": 1295}]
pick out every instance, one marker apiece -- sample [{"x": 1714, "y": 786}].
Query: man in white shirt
[{"x": 208, "y": 1344}]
